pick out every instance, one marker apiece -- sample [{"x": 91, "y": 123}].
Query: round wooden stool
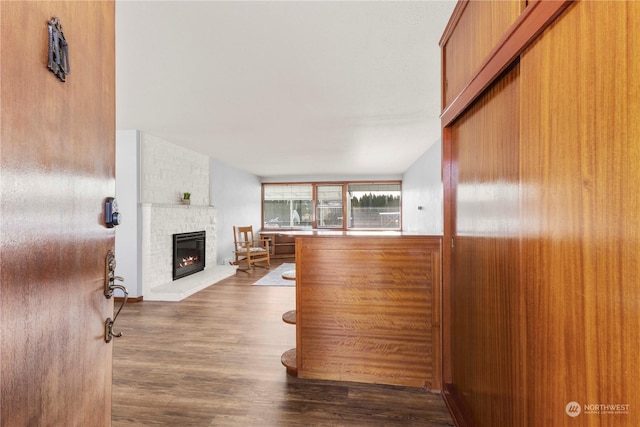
[{"x": 289, "y": 275}]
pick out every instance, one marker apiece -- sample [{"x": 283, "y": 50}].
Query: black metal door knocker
[{"x": 58, "y": 50}]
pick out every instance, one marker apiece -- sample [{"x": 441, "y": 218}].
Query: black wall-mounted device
[{"x": 111, "y": 215}]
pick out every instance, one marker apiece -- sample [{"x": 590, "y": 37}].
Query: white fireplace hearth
[{"x": 182, "y": 288}]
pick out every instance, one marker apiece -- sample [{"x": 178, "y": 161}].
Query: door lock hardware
[
  {"x": 109, "y": 286},
  {"x": 110, "y": 275},
  {"x": 112, "y": 216},
  {"x": 108, "y": 324}
]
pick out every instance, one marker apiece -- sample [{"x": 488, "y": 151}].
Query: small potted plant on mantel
[{"x": 186, "y": 198}]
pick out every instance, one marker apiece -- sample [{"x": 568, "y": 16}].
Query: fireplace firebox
[{"x": 188, "y": 253}]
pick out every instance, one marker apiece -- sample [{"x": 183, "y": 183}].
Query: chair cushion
[{"x": 252, "y": 250}]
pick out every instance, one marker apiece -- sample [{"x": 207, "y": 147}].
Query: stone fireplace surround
[
  {"x": 159, "y": 223},
  {"x": 167, "y": 170}
]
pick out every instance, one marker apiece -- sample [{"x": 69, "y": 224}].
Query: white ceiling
[{"x": 282, "y": 88}]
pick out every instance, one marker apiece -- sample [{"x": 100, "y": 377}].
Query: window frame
[
  {"x": 264, "y": 227},
  {"x": 315, "y": 221},
  {"x": 346, "y": 220}
]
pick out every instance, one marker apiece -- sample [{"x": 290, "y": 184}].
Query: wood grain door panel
[
  {"x": 57, "y": 166},
  {"x": 486, "y": 319}
]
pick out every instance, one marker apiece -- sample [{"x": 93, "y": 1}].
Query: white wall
[
  {"x": 128, "y": 233},
  {"x": 237, "y": 195},
  {"x": 422, "y": 187}
]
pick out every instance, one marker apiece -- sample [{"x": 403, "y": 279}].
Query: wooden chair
[{"x": 249, "y": 250}]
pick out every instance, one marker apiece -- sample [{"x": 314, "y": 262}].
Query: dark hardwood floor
[{"x": 214, "y": 360}]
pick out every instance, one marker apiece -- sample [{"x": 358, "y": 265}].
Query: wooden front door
[{"x": 57, "y": 160}]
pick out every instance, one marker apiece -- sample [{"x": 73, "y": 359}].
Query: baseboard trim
[
  {"x": 129, "y": 300},
  {"x": 458, "y": 411}
]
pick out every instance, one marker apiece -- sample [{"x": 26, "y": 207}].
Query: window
[
  {"x": 338, "y": 205},
  {"x": 329, "y": 213},
  {"x": 287, "y": 205},
  {"x": 374, "y": 206}
]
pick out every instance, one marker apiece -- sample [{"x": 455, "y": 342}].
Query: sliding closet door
[
  {"x": 581, "y": 215},
  {"x": 486, "y": 320}
]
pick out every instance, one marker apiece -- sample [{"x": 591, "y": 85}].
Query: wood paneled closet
[{"x": 541, "y": 165}]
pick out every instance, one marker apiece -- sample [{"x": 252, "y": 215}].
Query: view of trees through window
[
  {"x": 375, "y": 206},
  {"x": 372, "y": 206}
]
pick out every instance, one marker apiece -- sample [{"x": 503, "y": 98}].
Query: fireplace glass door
[{"x": 188, "y": 253}]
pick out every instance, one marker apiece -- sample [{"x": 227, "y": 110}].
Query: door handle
[
  {"x": 108, "y": 324},
  {"x": 109, "y": 286}
]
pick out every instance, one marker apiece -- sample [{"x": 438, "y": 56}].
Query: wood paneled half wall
[{"x": 367, "y": 309}]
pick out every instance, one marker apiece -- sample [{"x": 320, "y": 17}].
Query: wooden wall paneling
[
  {"x": 468, "y": 39},
  {"x": 531, "y": 22},
  {"x": 453, "y": 400},
  {"x": 581, "y": 247},
  {"x": 578, "y": 222},
  {"x": 486, "y": 321},
  {"x": 535, "y": 17},
  {"x": 365, "y": 309}
]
